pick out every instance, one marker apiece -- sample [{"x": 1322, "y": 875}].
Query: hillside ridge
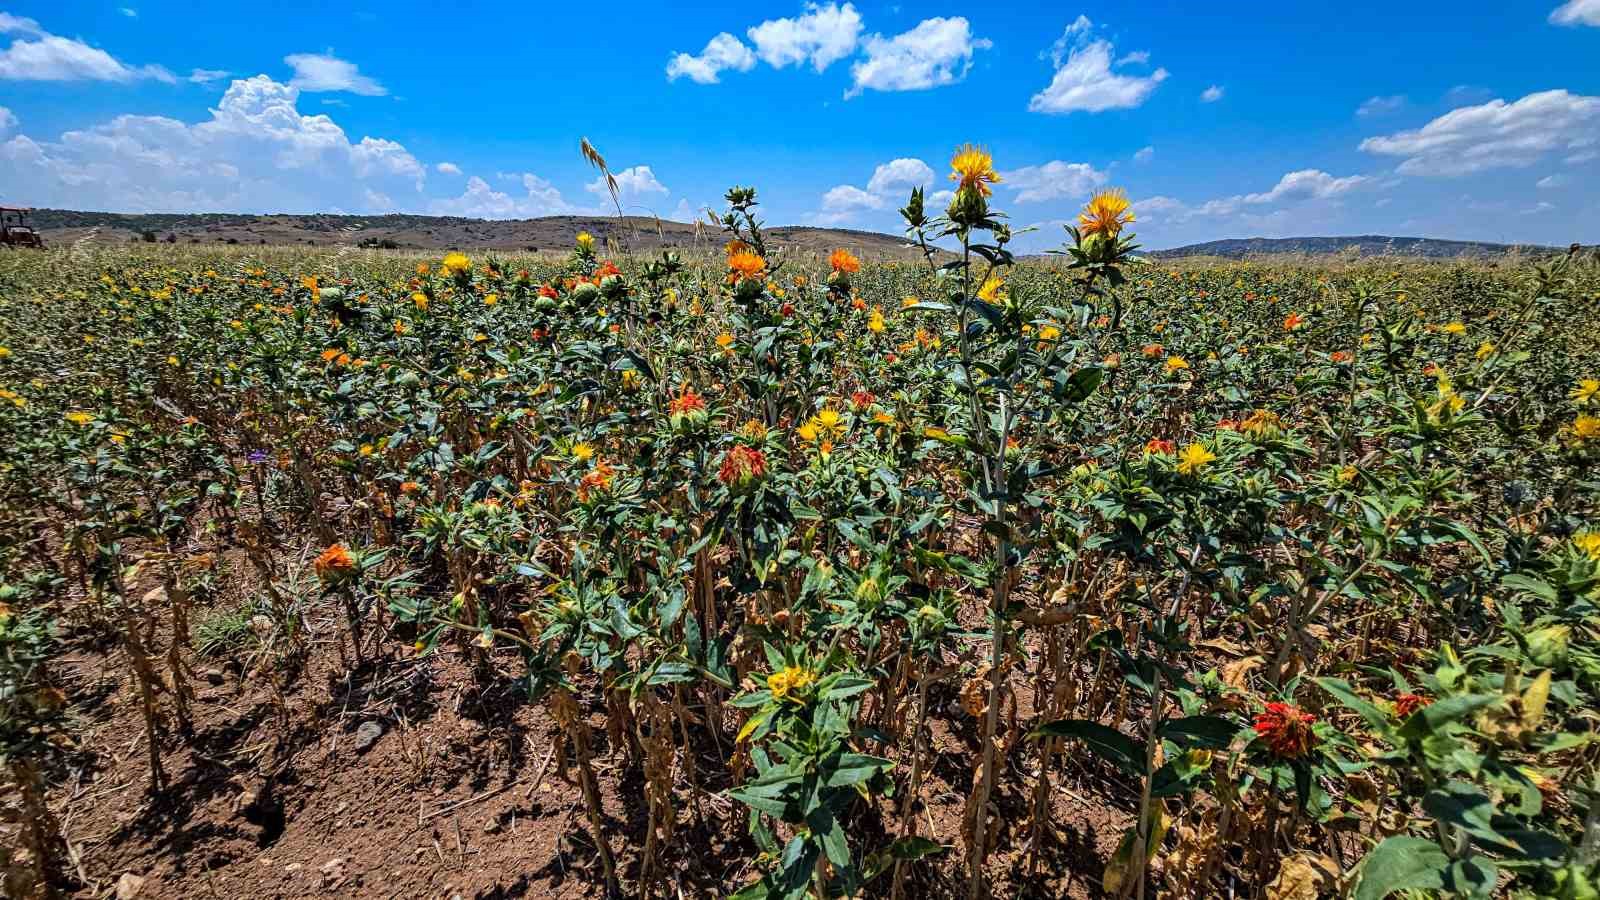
[
  {"x": 1365, "y": 245},
  {"x": 404, "y": 231}
]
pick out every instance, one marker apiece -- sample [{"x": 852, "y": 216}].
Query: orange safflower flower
[
  {"x": 596, "y": 479},
  {"x": 1293, "y": 321},
  {"x": 334, "y": 563},
  {"x": 844, "y": 261},
  {"x": 688, "y": 401},
  {"x": 746, "y": 264}
]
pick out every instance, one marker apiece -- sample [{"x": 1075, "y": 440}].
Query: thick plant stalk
[
  {"x": 999, "y": 634},
  {"x": 144, "y": 675},
  {"x": 564, "y": 709},
  {"x": 41, "y": 832},
  {"x": 177, "y": 666},
  {"x": 908, "y": 821}
]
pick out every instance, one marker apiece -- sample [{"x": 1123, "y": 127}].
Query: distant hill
[
  {"x": 410, "y": 232},
  {"x": 1363, "y": 245}
]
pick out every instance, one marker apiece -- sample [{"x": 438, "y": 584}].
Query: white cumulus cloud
[
  {"x": 634, "y": 184},
  {"x": 318, "y": 72},
  {"x": 1084, "y": 80},
  {"x": 479, "y": 200},
  {"x": 1302, "y": 187},
  {"x": 1577, "y": 12},
  {"x": 887, "y": 189},
  {"x": 823, "y": 36},
  {"x": 8, "y": 121},
  {"x": 936, "y": 52},
  {"x": 256, "y": 153},
  {"x": 1211, "y": 94},
  {"x": 899, "y": 174},
  {"x": 722, "y": 52},
  {"x": 1053, "y": 180},
  {"x": 447, "y": 168},
  {"x": 1496, "y": 135},
  {"x": 37, "y": 55}
]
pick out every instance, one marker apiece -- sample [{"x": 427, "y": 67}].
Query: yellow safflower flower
[
  {"x": 789, "y": 682},
  {"x": 1586, "y": 391},
  {"x": 1193, "y": 458},
  {"x": 973, "y": 167}
]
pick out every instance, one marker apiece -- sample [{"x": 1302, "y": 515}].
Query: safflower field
[{"x": 732, "y": 573}]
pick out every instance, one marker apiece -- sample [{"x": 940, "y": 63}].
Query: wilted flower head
[{"x": 1286, "y": 730}]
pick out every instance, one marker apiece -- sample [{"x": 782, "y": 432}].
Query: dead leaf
[
  {"x": 1301, "y": 877},
  {"x": 1237, "y": 673}
]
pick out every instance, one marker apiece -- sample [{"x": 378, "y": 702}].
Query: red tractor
[{"x": 15, "y": 230}]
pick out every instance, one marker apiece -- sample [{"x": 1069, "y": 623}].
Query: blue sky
[{"x": 1475, "y": 121}]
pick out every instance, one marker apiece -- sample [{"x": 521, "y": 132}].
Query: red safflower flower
[
  {"x": 334, "y": 563},
  {"x": 546, "y": 290},
  {"x": 1406, "y": 704},
  {"x": 1293, "y": 321},
  {"x": 742, "y": 465},
  {"x": 1160, "y": 445},
  {"x": 862, "y": 399},
  {"x": 1340, "y": 356},
  {"x": 1286, "y": 730},
  {"x": 606, "y": 268},
  {"x": 1152, "y": 350}
]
